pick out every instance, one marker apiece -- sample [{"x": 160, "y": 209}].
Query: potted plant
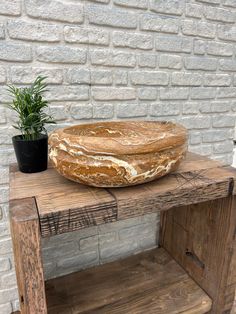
[{"x": 31, "y": 147}]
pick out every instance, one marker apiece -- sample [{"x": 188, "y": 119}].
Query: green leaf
[{"x": 29, "y": 104}]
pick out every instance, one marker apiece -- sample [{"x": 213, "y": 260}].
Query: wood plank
[
  {"x": 23, "y": 185},
  {"x": 150, "y": 282},
  {"x": 68, "y": 211},
  {"x": 28, "y": 263},
  {"x": 176, "y": 189},
  {"x": 203, "y": 243}
]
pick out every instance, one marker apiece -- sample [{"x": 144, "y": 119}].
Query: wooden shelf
[{"x": 150, "y": 282}]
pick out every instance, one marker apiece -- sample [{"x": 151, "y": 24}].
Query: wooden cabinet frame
[{"x": 198, "y": 223}]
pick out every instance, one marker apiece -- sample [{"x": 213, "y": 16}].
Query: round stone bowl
[{"x": 117, "y": 154}]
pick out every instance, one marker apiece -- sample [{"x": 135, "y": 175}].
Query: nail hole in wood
[{"x": 195, "y": 258}]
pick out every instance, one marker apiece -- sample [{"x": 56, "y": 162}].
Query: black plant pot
[{"x": 31, "y": 155}]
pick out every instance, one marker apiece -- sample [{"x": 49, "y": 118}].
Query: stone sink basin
[{"x": 117, "y": 154}]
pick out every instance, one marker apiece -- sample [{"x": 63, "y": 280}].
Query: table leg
[
  {"x": 25, "y": 232},
  {"x": 201, "y": 238}
]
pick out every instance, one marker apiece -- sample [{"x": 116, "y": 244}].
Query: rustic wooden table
[{"x": 193, "y": 271}]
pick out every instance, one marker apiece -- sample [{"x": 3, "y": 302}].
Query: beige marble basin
[{"x": 116, "y": 154}]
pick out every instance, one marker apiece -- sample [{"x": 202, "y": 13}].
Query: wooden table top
[{"x": 65, "y": 206}]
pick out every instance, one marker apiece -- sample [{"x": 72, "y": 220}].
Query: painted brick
[
  {"x": 5, "y": 246},
  {"x": 147, "y": 60},
  {"x": 196, "y": 122},
  {"x": 60, "y": 54},
  {"x": 193, "y": 10},
  {"x": 132, "y": 232},
  {"x": 149, "y": 78},
  {"x": 147, "y": 93},
  {"x": 210, "y": 1},
  {"x": 2, "y": 116},
  {"x": 120, "y": 77},
  {"x": 4, "y": 195},
  {"x": 88, "y": 243},
  {"x": 103, "y": 111},
  {"x": 148, "y": 242},
  {"x": 203, "y": 92},
  {"x": 5, "y": 308},
  {"x": 219, "y": 49},
  {"x": 226, "y": 92},
  {"x": 26, "y": 75},
  {"x": 55, "y": 10},
  {"x": 170, "y": 61},
  {"x": 124, "y": 248},
  {"x": 101, "y": 1},
  {"x": 186, "y": 79},
  {"x": 12, "y": 7},
  {"x": 131, "y": 40},
  {"x": 78, "y": 76},
  {"x": 83, "y": 35},
  {"x": 8, "y": 294},
  {"x": 230, "y": 3},
  {"x": 62, "y": 250},
  {"x": 217, "y": 80},
  {"x": 83, "y": 111},
  {"x": 190, "y": 108},
  {"x": 175, "y": 7},
  {"x": 173, "y": 44},
  {"x": 151, "y": 22},
  {"x": 5, "y": 264},
  {"x": 4, "y": 175},
  {"x": 101, "y": 77},
  {"x": 7, "y": 156},
  {"x": 15, "y": 52},
  {"x": 223, "y": 121},
  {"x": 132, "y": 110},
  {"x": 58, "y": 93},
  {"x": 211, "y": 136},
  {"x": 227, "y": 32},
  {"x": 195, "y": 138},
  {"x": 227, "y": 65},
  {"x": 8, "y": 280},
  {"x": 137, "y": 4},
  {"x": 111, "y": 93},
  {"x": 33, "y": 31},
  {"x": 225, "y": 159},
  {"x": 196, "y": 28},
  {"x": 166, "y": 109},
  {"x": 78, "y": 262},
  {"x": 2, "y": 31},
  {"x": 216, "y": 106},
  {"x": 174, "y": 93},
  {"x": 198, "y": 63},
  {"x": 225, "y": 147},
  {"x": 110, "y": 58},
  {"x": 204, "y": 150},
  {"x": 218, "y": 14},
  {"x": 108, "y": 237},
  {"x": 199, "y": 47},
  {"x": 58, "y": 112},
  {"x": 111, "y": 17}
]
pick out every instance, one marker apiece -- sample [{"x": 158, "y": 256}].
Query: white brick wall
[{"x": 109, "y": 59}]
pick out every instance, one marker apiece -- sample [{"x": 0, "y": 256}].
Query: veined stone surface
[{"x": 116, "y": 154}]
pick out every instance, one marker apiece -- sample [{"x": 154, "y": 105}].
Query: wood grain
[
  {"x": 201, "y": 239},
  {"x": 28, "y": 263},
  {"x": 150, "y": 282},
  {"x": 64, "y": 212},
  {"x": 176, "y": 189},
  {"x": 66, "y": 206}
]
